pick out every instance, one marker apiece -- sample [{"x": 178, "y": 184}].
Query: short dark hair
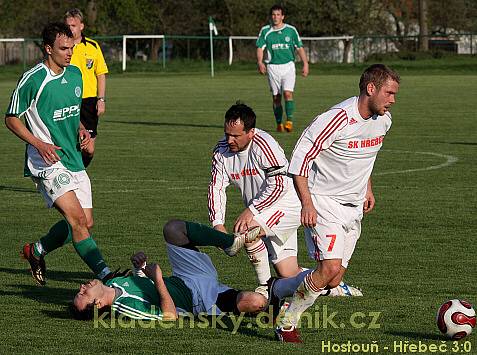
[
  {"x": 242, "y": 112},
  {"x": 377, "y": 74},
  {"x": 87, "y": 313},
  {"x": 54, "y": 29},
  {"x": 277, "y": 7},
  {"x": 74, "y": 12}
]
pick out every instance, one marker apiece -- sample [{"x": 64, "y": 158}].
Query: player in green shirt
[
  {"x": 193, "y": 287},
  {"x": 48, "y": 97},
  {"x": 280, "y": 40}
]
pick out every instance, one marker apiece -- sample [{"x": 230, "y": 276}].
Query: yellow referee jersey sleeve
[{"x": 88, "y": 57}]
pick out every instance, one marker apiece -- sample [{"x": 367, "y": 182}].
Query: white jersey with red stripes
[
  {"x": 337, "y": 151},
  {"x": 259, "y": 172}
]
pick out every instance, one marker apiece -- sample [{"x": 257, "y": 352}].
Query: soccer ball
[{"x": 456, "y": 319}]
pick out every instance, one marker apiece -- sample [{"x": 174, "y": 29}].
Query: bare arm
[
  {"x": 308, "y": 211},
  {"x": 370, "y": 200},
  {"x": 262, "y": 69},
  {"x": 304, "y": 59},
  {"x": 46, "y": 150},
  {"x": 101, "y": 105}
]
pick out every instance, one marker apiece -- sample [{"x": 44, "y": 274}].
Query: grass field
[{"x": 153, "y": 158}]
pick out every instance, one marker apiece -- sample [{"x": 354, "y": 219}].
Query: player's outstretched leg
[
  {"x": 191, "y": 235},
  {"x": 258, "y": 255}
]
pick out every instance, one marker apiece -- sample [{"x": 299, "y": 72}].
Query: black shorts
[{"x": 89, "y": 115}]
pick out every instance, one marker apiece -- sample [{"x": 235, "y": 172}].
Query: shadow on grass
[
  {"x": 416, "y": 335},
  {"x": 456, "y": 143},
  {"x": 68, "y": 276},
  {"x": 193, "y": 125},
  {"x": 42, "y": 294},
  {"x": 18, "y": 189}
]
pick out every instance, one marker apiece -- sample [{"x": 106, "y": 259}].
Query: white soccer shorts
[
  {"x": 199, "y": 275},
  {"x": 280, "y": 224},
  {"x": 281, "y": 77},
  {"x": 337, "y": 230},
  {"x": 53, "y": 183}
]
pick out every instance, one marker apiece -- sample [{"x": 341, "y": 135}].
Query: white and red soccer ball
[{"x": 456, "y": 319}]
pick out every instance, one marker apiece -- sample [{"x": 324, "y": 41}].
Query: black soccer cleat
[{"x": 37, "y": 266}]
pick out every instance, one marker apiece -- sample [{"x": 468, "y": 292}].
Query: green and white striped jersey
[
  {"x": 51, "y": 107},
  {"x": 280, "y": 43},
  {"x": 139, "y": 298}
]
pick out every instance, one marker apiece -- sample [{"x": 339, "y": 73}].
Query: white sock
[
  {"x": 303, "y": 298},
  {"x": 258, "y": 256}
]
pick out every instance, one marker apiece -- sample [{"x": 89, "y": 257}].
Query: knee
[
  {"x": 277, "y": 100},
  {"x": 172, "y": 229},
  {"x": 78, "y": 221},
  {"x": 250, "y": 302},
  {"x": 288, "y": 95},
  {"x": 330, "y": 271}
]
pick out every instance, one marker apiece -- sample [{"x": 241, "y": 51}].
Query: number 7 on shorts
[{"x": 332, "y": 243}]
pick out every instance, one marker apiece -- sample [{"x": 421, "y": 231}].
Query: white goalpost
[{"x": 126, "y": 37}]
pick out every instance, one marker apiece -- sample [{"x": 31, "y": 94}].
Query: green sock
[
  {"x": 289, "y": 109},
  {"x": 58, "y": 235},
  {"x": 202, "y": 235},
  {"x": 89, "y": 252},
  {"x": 278, "y": 112}
]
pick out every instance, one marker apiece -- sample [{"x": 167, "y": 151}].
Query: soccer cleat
[
  {"x": 273, "y": 301},
  {"x": 280, "y": 127},
  {"x": 288, "y": 335},
  {"x": 37, "y": 266},
  {"x": 240, "y": 238},
  {"x": 263, "y": 290},
  {"x": 344, "y": 290},
  {"x": 289, "y": 126}
]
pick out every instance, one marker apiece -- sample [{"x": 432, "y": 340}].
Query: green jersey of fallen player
[
  {"x": 280, "y": 43},
  {"x": 139, "y": 298},
  {"x": 51, "y": 107}
]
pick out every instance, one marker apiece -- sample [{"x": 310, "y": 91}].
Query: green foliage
[{"x": 237, "y": 17}]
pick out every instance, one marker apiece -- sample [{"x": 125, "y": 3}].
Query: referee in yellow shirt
[{"x": 87, "y": 56}]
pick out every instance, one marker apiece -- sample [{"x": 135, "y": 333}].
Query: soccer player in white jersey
[
  {"x": 280, "y": 40},
  {"x": 254, "y": 162},
  {"x": 331, "y": 167},
  {"x": 48, "y": 97}
]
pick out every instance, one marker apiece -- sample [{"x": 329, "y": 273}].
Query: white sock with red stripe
[
  {"x": 304, "y": 297},
  {"x": 258, "y": 256}
]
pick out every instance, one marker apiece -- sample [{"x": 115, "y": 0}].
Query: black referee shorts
[{"x": 89, "y": 115}]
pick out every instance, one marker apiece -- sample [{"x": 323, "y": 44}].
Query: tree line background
[{"x": 26, "y": 18}]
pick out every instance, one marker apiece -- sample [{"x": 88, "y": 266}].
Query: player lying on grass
[{"x": 193, "y": 287}]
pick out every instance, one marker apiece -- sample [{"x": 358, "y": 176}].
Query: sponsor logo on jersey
[
  {"x": 63, "y": 81},
  {"x": 66, "y": 112},
  {"x": 365, "y": 143},
  {"x": 244, "y": 172},
  {"x": 352, "y": 121},
  {"x": 89, "y": 63},
  {"x": 78, "y": 91},
  {"x": 126, "y": 284},
  {"x": 277, "y": 46}
]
